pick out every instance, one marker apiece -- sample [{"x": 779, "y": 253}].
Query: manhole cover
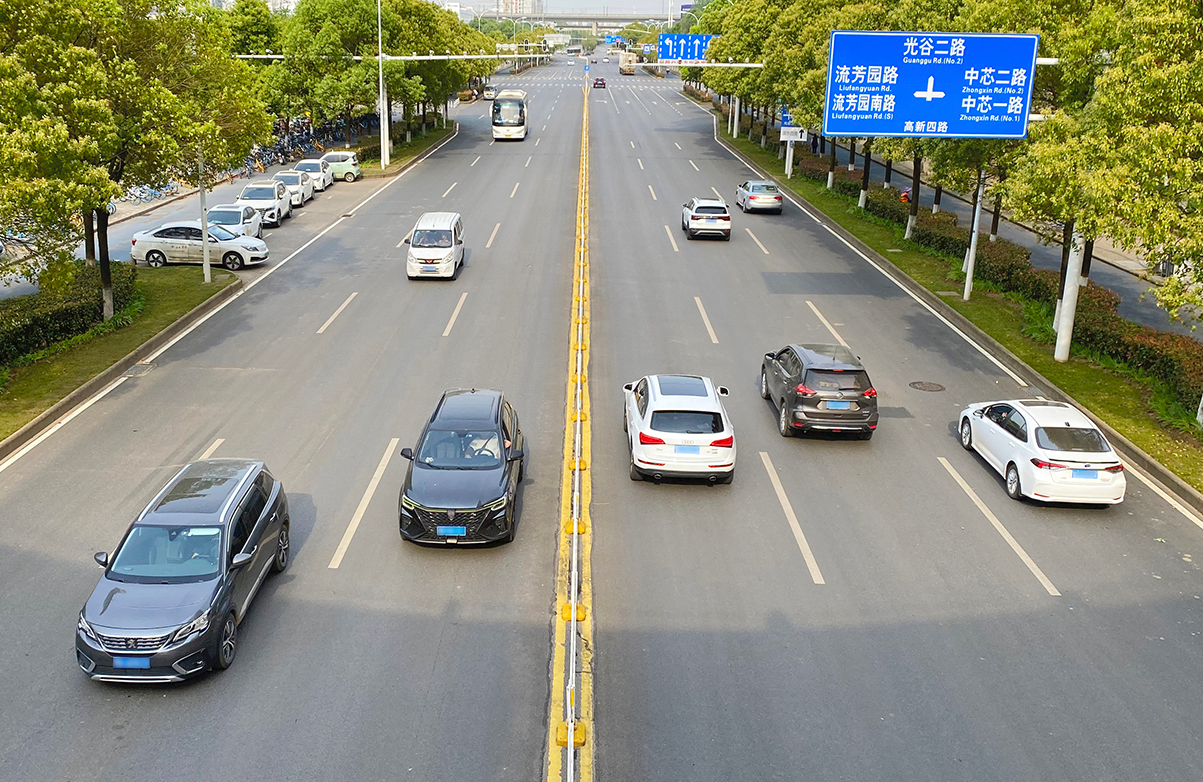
[
  {"x": 923, "y": 385},
  {"x": 138, "y": 370}
]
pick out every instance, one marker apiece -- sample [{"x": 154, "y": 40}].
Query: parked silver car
[
  {"x": 241, "y": 220},
  {"x": 181, "y": 243}
]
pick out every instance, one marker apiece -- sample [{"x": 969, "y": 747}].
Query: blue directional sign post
[
  {"x": 611, "y": 39},
  {"x": 946, "y": 85},
  {"x": 682, "y": 48},
  {"x": 647, "y": 48}
]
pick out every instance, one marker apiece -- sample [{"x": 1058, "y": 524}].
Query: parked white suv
[
  {"x": 677, "y": 427},
  {"x": 270, "y": 198}
]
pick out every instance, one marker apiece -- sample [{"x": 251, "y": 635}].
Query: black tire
[
  {"x": 764, "y": 385},
  {"x": 726, "y": 237},
  {"x": 232, "y": 261},
  {"x": 689, "y": 234},
  {"x": 624, "y": 420},
  {"x": 741, "y": 206},
  {"x": 281, "y": 560},
  {"x": 635, "y": 474},
  {"x": 1014, "y": 490},
  {"x": 727, "y": 478},
  {"x": 966, "y": 435},
  {"x": 783, "y": 427},
  {"x": 156, "y": 259},
  {"x": 225, "y": 643},
  {"x": 349, "y": 177},
  {"x": 866, "y": 435}
]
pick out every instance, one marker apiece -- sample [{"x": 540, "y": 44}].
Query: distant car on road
[
  {"x": 299, "y": 184},
  {"x": 759, "y": 195},
  {"x": 605, "y": 59},
  {"x": 462, "y": 482},
  {"x": 180, "y": 582},
  {"x": 319, "y": 169},
  {"x": 593, "y": 60},
  {"x": 240, "y": 220},
  {"x": 599, "y": 83},
  {"x": 705, "y": 216},
  {"x": 344, "y": 165},
  {"x": 819, "y": 387},
  {"x": 271, "y": 198},
  {"x": 436, "y": 246},
  {"x": 490, "y": 92},
  {"x": 181, "y": 243},
  {"x": 1048, "y": 451},
  {"x": 677, "y": 426}
]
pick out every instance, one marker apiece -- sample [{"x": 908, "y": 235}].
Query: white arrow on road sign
[{"x": 930, "y": 92}]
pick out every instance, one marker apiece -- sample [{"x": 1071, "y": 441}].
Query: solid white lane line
[
  {"x": 59, "y": 424},
  {"x": 758, "y": 244},
  {"x": 653, "y": 192},
  {"x": 675, "y": 144},
  {"x": 459, "y": 305},
  {"x": 448, "y": 190},
  {"x": 1167, "y": 497},
  {"x": 515, "y": 190},
  {"x": 668, "y": 231},
  {"x": 1014, "y": 544},
  {"x": 337, "y": 559},
  {"x": 717, "y": 193},
  {"x": 811, "y": 564},
  {"x": 474, "y": 162},
  {"x": 695, "y": 166},
  {"x": 830, "y": 328},
  {"x": 342, "y": 307},
  {"x": 705, "y": 319},
  {"x": 527, "y": 164},
  {"x": 400, "y": 242},
  {"x": 493, "y": 235},
  {"x": 640, "y": 162},
  {"x": 632, "y": 145},
  {"x": 209, "y": 451}
]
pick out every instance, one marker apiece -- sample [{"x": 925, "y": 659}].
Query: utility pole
[
  {"x": 200, "y": 163},
  {"x": 1069, "y": 307},
  {"x": 386, "y": 114}
]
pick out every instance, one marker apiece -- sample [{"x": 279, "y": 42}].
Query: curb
[
  {"x": 81, "y": 394},
  {"x": 418, "y": 158},
  {"x": 1130, "y": 451}
]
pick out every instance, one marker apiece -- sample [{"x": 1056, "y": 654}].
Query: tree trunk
[
  {"x": 822, "y": 145},
  {"x": 916, "y": 180},
  {"x": 1067, "y": 233},
  {"x": 831, "y": 167},
  {"x": 994, "y": 220},
  {"x": 767, "y": 118},
  {"x": 1086, "y": 262},
  {"x": 852, "y": 154},
  {"x": 347, "y": 119},
  {"x": 106, "y": 273},
  {"x": 935, "y": 205},
  {"x": 90, "y": 237},
  {"x": 867, "y": 150},
  {"x": 889, "y": 171},
  {"x": 972, "y": 210}
]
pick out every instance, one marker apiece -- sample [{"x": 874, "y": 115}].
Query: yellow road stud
[{"x": 566, "y": 612}]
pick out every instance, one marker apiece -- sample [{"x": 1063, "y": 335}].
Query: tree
[{"x": 254, "y": 29}]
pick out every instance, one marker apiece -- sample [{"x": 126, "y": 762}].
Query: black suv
[
  {"x": 463, "y": 478},
  {"x": 174, "y": 592},
  {"x": 819, "y": 387}
]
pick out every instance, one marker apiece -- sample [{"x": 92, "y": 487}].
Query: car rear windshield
[
  {"x": 686, "y": 422},
  {"x": 825, "y": 380},
  {"x": 711, "y": 210},
  {"x": 1071, "y": 439},
  {"x": 225, "y": 216},
  {"x": 153, "y": 554},
  {"x": 288, "y": 179},
  {"x": 460, "y": 449},
  {"x": 259, "y": 193},
  {"x": 309, "y": 166},
  {"x": 764, "y": 188},
  {"x": 431, "y": 239}
]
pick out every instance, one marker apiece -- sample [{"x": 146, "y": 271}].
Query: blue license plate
[
  {"x": 451, "y": 532},
  {"x": 839, "y": 405},
  {"x": 429, "y": 268},
  {"x": 131, "y": 662},
  {"x": 687, "y": 449},
  {"x": 1088, "y": 474}
]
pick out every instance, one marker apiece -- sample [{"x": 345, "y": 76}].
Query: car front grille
[
  {"x": 122, "y": 643},
  {"x": 470, "y": 520}
]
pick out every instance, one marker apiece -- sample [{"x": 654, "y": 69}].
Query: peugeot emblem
[
  {"x": 451, "y": 515},
  {"x": 130, "y": 643}
]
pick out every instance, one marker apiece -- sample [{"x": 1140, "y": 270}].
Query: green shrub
[
  {"x": 34, "y": 322},
  {"x": 885, "y": 204}
]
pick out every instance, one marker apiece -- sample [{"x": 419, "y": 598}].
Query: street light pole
[{"x": 386, "y": 115}]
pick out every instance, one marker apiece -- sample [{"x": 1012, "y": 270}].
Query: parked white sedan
[
  {"x": 181, "y": 243},
  {"x": 242, "y": 220},
  {"x": 323, "y": 175},
  {"x": 1045, "y": 450},
  {"x": 299, "y": 184},
  {"x": 677, "y": 427}
]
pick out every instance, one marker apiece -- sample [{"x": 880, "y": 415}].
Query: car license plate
[
  {"x": 838, "y": 405},
  {"x": 131, "y": 662},
  {"x": 1088, "y": 474},
  {"x": 429, "y": 268},
  {"x": 451, "y": 532},
  {"x": 687, "y": 449}
]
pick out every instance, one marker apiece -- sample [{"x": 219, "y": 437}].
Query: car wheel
[
  {"x": 783, "y": 421},
  {"x": 727, "y": 478},
  {"x": 624, "y": 421},
  {"x": 689, "y": 234},
  {"x": 232, "y": 261},
  {"x": 156, "y": 259},
  {"x": 349, "y": 177},
  {"x": 777, "y": 212},
  {"x": 259, "y": 231},
  {"x": 727, "y": 237},
  {"x": 966, "y": 435},
  {"x": 866, "y": 435},
  {"x": 1014, "y": 490},
  {"x": 764, "y": 385},
  {"x": 635, "y": 474},
  {"x": 281, "y": 560},
  {"x": 226, "y": 643},
  {"x": 741, "y": 206}
]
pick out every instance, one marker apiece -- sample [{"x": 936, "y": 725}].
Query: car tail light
[
  {"x": 1048, "y": 465},
  {"x": 645, "y": 439},
  {"x": 724, "y": 217},
  {"x": 726, "y": 442},
  {"x": 1114, "y": 468},
  {"x": 804, "y": 391},
  {"x": 132, "y": 242},
  {"x": 872, "y": 392}
]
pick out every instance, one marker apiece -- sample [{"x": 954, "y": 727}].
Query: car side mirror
[
  {"x": 407, "y": 453},
  {"x": 770, "y": 356},
  {"x": 723, "y": 391},
  {"x": 405, "y": 240},
  {"x": 979, "y": 413},
  {"x": 516, "y": 456},
  {"x": 240, "y": 560},
  {"x": 459, "y": 241},
  {"x": 102, "y": 558},
  {"x": 628, "y": 387}
]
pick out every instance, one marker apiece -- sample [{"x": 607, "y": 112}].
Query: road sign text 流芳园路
[{"x": 951, "y": 85}]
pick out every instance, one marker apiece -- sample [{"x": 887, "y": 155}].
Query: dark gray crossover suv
[
  {"x": 819, "y": 387},
  {"x": 174, "y": 592},
  {"x": 463, "y": 481}
]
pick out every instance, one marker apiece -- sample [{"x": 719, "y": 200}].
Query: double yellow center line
[{"x": 570, "y": 717}]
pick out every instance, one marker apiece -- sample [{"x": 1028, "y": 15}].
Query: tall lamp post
[{"x": 386, "y": 115}]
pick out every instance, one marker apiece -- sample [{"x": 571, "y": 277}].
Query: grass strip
[
  {"x": 1131, "y": 402},
  {"x": 404, "y": 152},
  {"x": 36, "y": 382}
]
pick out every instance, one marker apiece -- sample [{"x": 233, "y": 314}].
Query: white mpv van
[{"x": 436, "y": 246}]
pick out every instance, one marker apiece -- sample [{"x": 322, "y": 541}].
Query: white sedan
[
  {"x": 299, "y": 184},
  {"x": 677, "y": 427},
  {"x": 323, "y": 175},
  {"x": 1045, "y": 450},
  {"x": 181, "y": 243},
  {"x": 243, "y": 220}
]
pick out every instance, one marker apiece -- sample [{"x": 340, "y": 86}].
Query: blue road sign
[
  {"x": 787, "y": 119},
  {"x": 647, "y": 48},
  {"x": 682, "y": 48},
  {"x": 948, "y": 85},
  {"x": 586, "y": 68},
  {"x": 611, "y": 39}
]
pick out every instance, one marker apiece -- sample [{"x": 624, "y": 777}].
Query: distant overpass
[{"x": 593, "y": 23}]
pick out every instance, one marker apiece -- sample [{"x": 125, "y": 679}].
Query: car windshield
[
  {"x": 764, "y": 188},
  {"x": 154, "y": 554},
  {"x": 509, "y": 111},
  {"x": 431, "y": 239},
  {"x": 259, "y": 194},
  {"x": 1071, "y": 439},
  {"x": 221, "y": 234},
  {"x": 711, "y": 210},
  {"x": 686, "y": 422},
  {"x": 309, "y": 166},
  {"x": 820, "y": 380},
  {"x": 225, "y": 216},
  {"x": 461, "y": 449},
  {"x": 288, "y": 179}
]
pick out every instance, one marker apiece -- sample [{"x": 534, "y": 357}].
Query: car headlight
[
  {"x": 406, "y": 502},
  {"x": 197, "y": 625},
  {"x": 498, "y": 504},
  {"x": 447, "y": 258},
  {"x": 86, "y": 628}
]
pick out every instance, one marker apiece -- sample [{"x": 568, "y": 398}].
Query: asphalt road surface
[{"x": 916, "y": 645}]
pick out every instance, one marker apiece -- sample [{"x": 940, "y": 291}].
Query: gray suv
[
  {"x": 819, "y": 387},
  {"x": 174, "y": 592}
]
